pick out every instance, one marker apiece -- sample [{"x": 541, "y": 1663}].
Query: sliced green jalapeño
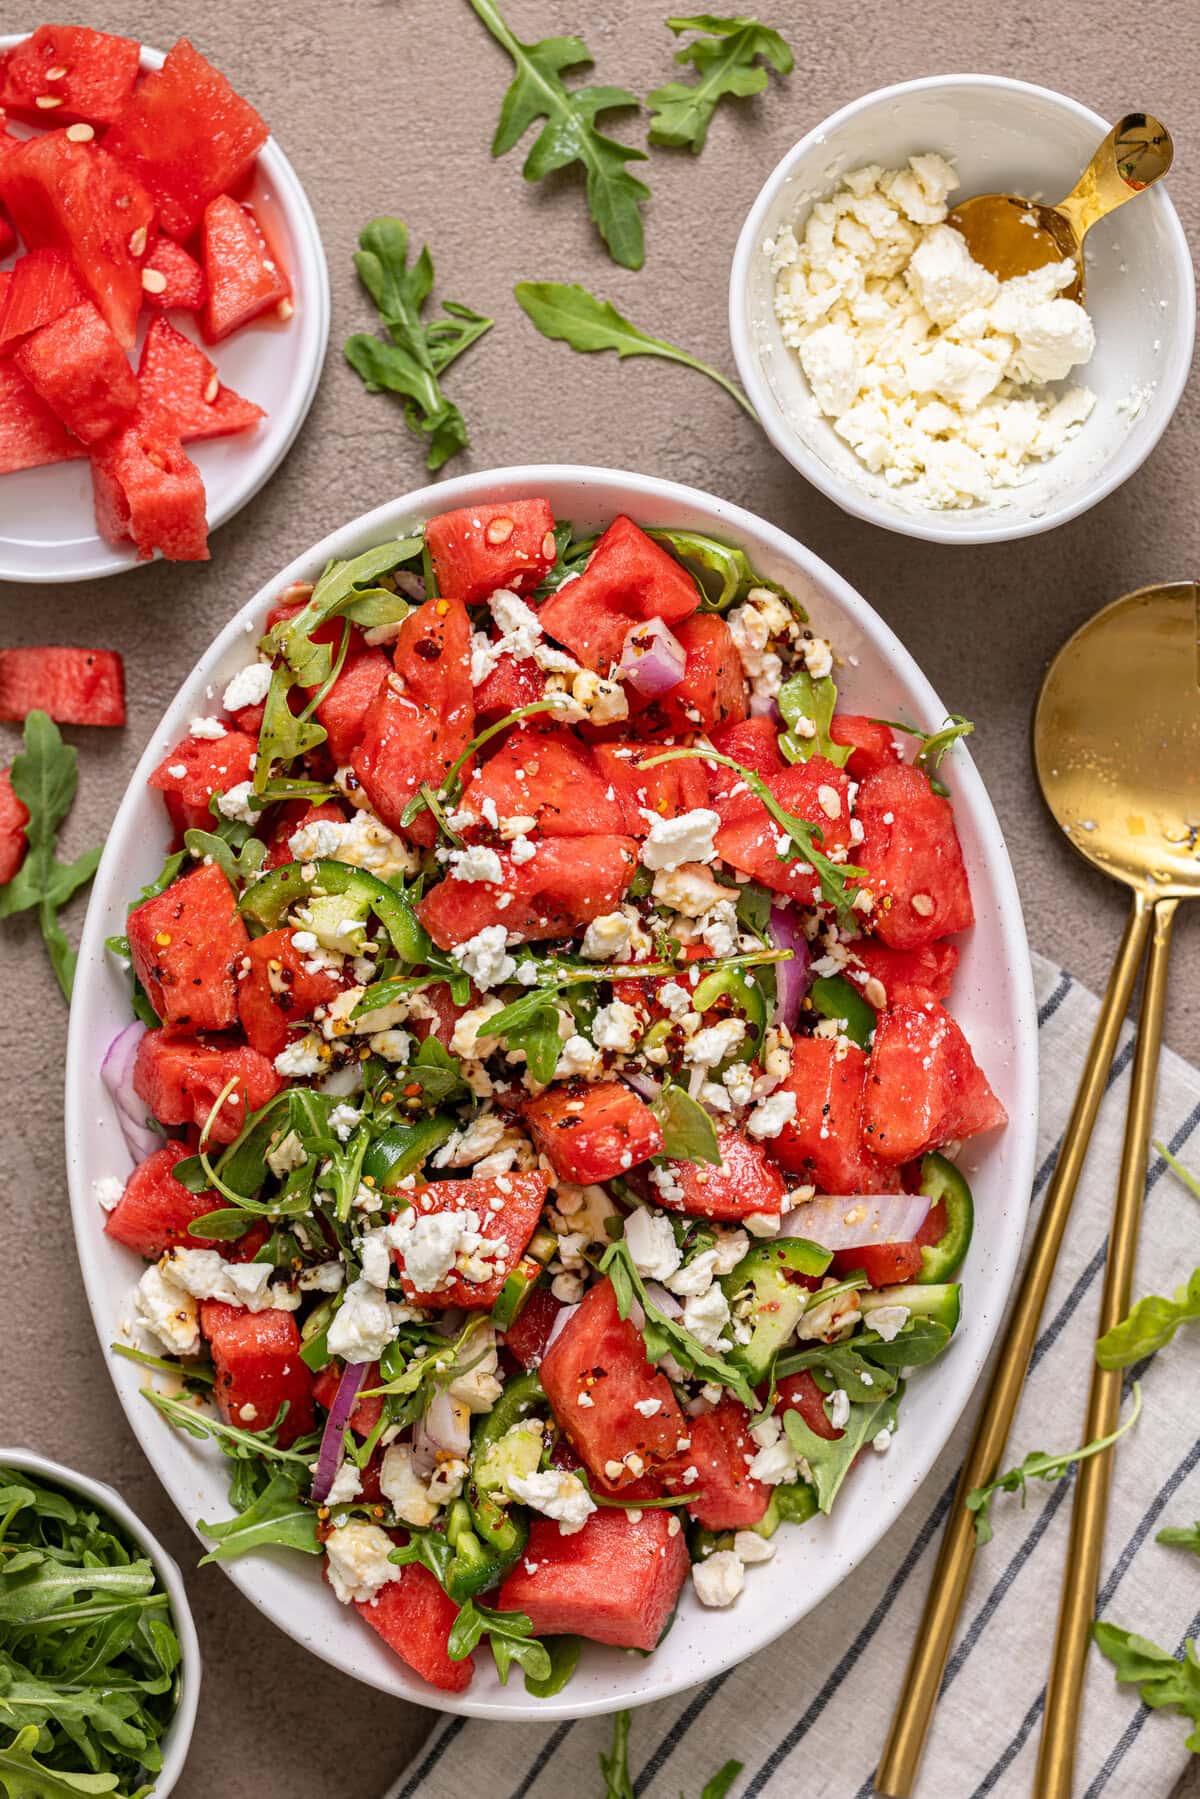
[
  {"x": 833, "y": 996},
  {"x": 944, "y": 1185},
  {"x": 270, "y": 899},
  {"x": 517, "y": 1289},
  {"x": 777, "y": 1301},
  {"x": 746, "y": 996},
  {"x": 401, "y": 1149}
]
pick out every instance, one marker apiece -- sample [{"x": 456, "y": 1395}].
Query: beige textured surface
[{"x": 389, "y": 106}]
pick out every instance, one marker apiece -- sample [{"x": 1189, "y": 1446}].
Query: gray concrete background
[{"x": 389, "y": 106}]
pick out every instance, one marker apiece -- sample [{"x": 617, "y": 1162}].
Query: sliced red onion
[
  {"x": 644, "y": 1085},
  {"x": 763, "y": 706},
  {"x": 116, "y": 1071},
  {"x": 663, "y": 1299},
  {"x": 838, "y": 1221},
  {"x": 560, "y": 1324},
  {"x": 330, "y": 1453},
  {"x": 791, "y": 978},
  {"x": 445, "y": 1426},
  {"x": 652, "y": 658},
  {"x": 409, "y": 584}
]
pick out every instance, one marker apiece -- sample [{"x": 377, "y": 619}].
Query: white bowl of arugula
[
  {"x": 124, "y": 1663},
  {"x": 279, "y": 1303}
]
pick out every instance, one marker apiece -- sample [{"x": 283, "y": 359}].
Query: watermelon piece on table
[
  {"x": 77, "y": 366},
  {"x": 153, "y": 1213},
  {"x": 30, "y": 435},
  {"x": 75, "y": 686},
  {"x": 181, "y": 392},
  {"x": 189, "y": 136},
  {"x": 615, "y": 1581},
  {"x": 189, "y": 775},
  {"x": 149, "y": 493},
  {"x": 183, "y": 283},
  {"x": 185, "y": 944},
  {"x": 257, "y": 1359},
  {"x": 244, "y": 278},
  {"x": 414, "y": 1616},
  {"x": 78, "y": 199},
  {"x": 40, "y": 288},
  {"x": 88, "y": 74},
  {"x": 14, "y": 816},
  {"x": 180, "y": 1077}
]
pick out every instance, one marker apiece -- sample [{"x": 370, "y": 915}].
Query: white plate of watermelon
[{"x": 164, "y": 304}]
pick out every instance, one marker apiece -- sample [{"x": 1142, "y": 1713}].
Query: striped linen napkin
[{"x": 808, "y": 1716}]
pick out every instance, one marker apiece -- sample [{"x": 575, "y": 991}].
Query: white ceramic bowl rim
[
  {"x": 605, "y": 492},
  {"x": 986, "y": 525},
  {"x": 176, "y": 1742}
]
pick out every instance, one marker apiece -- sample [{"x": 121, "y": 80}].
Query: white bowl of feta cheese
[{"x": 902, "y": 379}]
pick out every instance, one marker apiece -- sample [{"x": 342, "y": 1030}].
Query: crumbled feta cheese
[
  {"x": 838, "y": 1411},
  {"x": 616, "y": 1026},
  {"x": 235, "y": 804},
  {"x": 607, "y": 939},
  {"x": 209, "y": 729},
  {"x": 749, "y": 1547},
  {"x": 656, "y": 1255},
  {"x": 669, "y": 1185},
  {"x": 108, "y": 1191},
  {"x": 687, "y": 838},
  {"x": 710, "y": 1046},
  {"x": 464, "y": 1148},
  {"x": 402, "y": 1487},
  {"x": 674, "y": 999},
  {"x": 775, "y": 1460},
  {"x": 689, "y": 890},
  {"x": 345, "y": 1485},
  {"x": 601, "y": 702},
  {"x": 556, "y": 1494},
  {"x": 469, "y": 1037},
  {"x": 248, "y": 687},
  {"x": 705, "y": 1315},
  {"x": 770, "y": 1115},
  {"x": 342, "y": 1121},
  {"x": 362, "y": 840},
  {"x": 477, "y": 863},
  {"x": 719, "y": 1579},
  {"x": 326, "y": 1277},
  {"x": 168, "y": 1312},
  {"x": 428, "y": 1247},
  {"x": 363, "y": 1325},
  {"x": 357, "y": 1561},
  {"x": 485, "y": 958},
  {"x": 307, "y": 1055},
  {"x": 888, "y": 1321},
  {"x": 580, "y": 1057}
]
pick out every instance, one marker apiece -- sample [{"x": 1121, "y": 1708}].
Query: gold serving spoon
[
  {"x": 1011, "y": 236},
  {"x": 1117, "y": 750}
]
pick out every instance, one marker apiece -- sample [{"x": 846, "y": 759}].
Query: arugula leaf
[
  {"x": 510, "y": 1638},
  {"x": 615, "y": 1765},
  {"x": 564, "y": 1659},
  {"x": 571, "y": 315},
  {"x": 860, "y": 1379},
  {"x": 801, "y": 697},
  {"x": 277, "y": 1517},
  {"x": 726, "y": 58},
  {"x": 240, "y": 1444},
  {"x": 722, "y": 1780},
  {"x": 1040, "y": 1466},
  {"x": 23, "y": 1777},
  {"x": 1160, "y": 1678},
  {"x": 570, "y": 133},
  {"x": 44, "y": 780},
  {"x": 1181, "y": 1536},
  {"x": 934, "y": 744},
  {"x": 664, "y": 1336},
  {"x": 1178, "y": 1170},
  {"x": 233, "y": 847},
  {"x": 729, "y": 563},
  {"x": 830, "y": 1460},
  {"x": 418, "y": 352},
  {"x": 1150, "y": 1326},
  {"x": 803, "y": 836},
  {"x": 689, "y": 1134}
]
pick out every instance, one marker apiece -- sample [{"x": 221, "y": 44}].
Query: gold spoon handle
[
  {"x": 1137, "y": 152},
  {"x": 902, "y": 1754},
  {"x": 1056, "y": 1757}
]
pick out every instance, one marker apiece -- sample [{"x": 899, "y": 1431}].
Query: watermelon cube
[
  {"x": 188, "y": 136},
  {"x": 76, "y": 198},
  {"x": 69, "y": 73},
  {"x": 415, "y": 1616},
  {"x": 344, "y": 707},
  {"x": 14, "y": 816},
  {"x": 149, "y": 493},
  {"x": 186, "y": 944},
  {"x": 257, "y": 1359},
  {"x": 197, "y": 768},
  {"x": 75, "y": 686},
  {"x": 181, "y": 392},
  {"x": 244, "y": 277},
  {"x": 153, "y": 1213},
  {"x": 180, "y": 1077},
  {"x": 30, "y": 434},
  {"x": 279, "y": 991},
  {"x": 77, "y": 366},
  {"x": 43, "y": 285},
  {"x": 182, "y": 279},
  {"x": 614, "y": 1581},
  {"x": 725, "y": 1497},
  {"x": 924, "y": 1086}
]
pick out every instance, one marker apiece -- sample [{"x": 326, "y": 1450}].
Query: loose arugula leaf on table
[
  {"x": 418, "y": 351},
  {"x": 1040, "y": 1466},
  {"x": 801, "y": 697},
  {"x": 1181, "y": 1536},
  {"x": 1160, "y": 1678},
  {"x": 618, "y": 1783},
  {"x": 1178, "y": 1170},
  {"x": 689, "y": 1134},
  {"x": 665, "y": 1336},
  {"x": 570, "y": 133},
  {"x": 277, "y": 1517},
  {"x": 728, "y": 58},
  {"x": 1150, "y": 1326},
  {"x": 830, "y": 1460},
  {"x": 510, "y": 1638},
  {"x": 571, "y": 315},
  {"x": 44, "y": 780}
]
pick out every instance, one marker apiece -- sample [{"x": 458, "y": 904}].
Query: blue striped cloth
[{"x": 808, "y": 1715}]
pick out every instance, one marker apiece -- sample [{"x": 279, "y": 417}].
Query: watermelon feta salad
[
  {"x": 543, "y": 1093},
  {"x": 126, "y": 202}
]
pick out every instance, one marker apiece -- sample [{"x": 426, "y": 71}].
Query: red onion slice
[
  {"x": 763, "y": 706},
  {"x": 652, "y": 658},
  {"x": 330, "y": 1453},
  {"x": 446, "y": 1426},
  {"x": 560, "y": 1324},
  {"x": 644, "y": 1085},
  {"x": 838, "y": 1221},
  {"x": 791, "y": 978},
  {"x": 116, "y": 1071}
]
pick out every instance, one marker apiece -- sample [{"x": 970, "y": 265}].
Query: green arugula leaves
[
  {"x": 730, "y": 57},
  {"x": 276, "y": 1518},
  {"x": 570, "y": 133},
  {"x": 44, "y": 780},
  {"x": 510, "y": 1639},
  {"x": 1181, "y": 1536},
  {"x": 689, "y": 1134},
  {"x": 569, "y": 314},
  {"x": 1150, "y": 1325},
  {"x": 416, "y": 352},
  {"x": 664, "y": 1336},
  {"x": 802, "y": 697},
  {"x": 1040, "y": 1466},
  {"x": 1161, "y": 1680},
  {"x": 618, "y": 1783},
  {"x": 830, "y": 1459}
]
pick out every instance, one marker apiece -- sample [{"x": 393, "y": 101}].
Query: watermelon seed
[
  {"x": 500, "y": 530},
  {"x": 284, "y": 310},
  {"x": 153, "y": 280},
  {"x": 81, "y": 133},
  {"x": 57, "y": 73},
  {"x": 213, "y": 388},
  {"x": 137, "y": 242},
  {"x": 48, "y": 101}
]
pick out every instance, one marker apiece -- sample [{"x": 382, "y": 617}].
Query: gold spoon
[
  {"x": 1011, "y": 236},
  {"x": 1117, "y": 749}
]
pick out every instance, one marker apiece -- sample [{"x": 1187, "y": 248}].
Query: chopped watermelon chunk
[
  {"x": 520, "y": 1197},
  {"x": 754, "y": 742},
  {"x": 570, "y": 881},
  {"x": 549, "y": 776},
  {"x": 824, "y": 1142},
  {"x": 749, "y": 837},
  {"x": 869, "y": 741},
  {"x": 478, "y": 549},
  {"x": 924, "y": 1086},
  {"x": 14, "y": 816},
  {"x": 726, "y": 1495},
  {"x": 257, "y": 1359},
  {"x": 913, "y": 858},
  {"x": 42, "y": 286},
  {"x": 908, "y": 977},
  {"x": 188, "y": 135},
  {"x": 279, "y": 991},
  {"x": 78, "y": 199},
  {"x": 8, "y": 237},
  {"x": 342, "y": 713},
  {"x": 153, "y": 1213},
  {"x": 615, "y": 1581},
  {"x": 77, "y": 366},
  {"x": 415, "y": 1616},
  {"x": 88, "y": 75},
  {"x": 181, "y": 392},
  {"x": 184, "y": 285},
  {"x": 180, "y": 1078},
  {"x": 197, "y": 768},
  {"x": 244, "y": 277},
  {"x": 670, "y": 789},
  {"x": 149, "y": 493},
  {"x": 529, "y": 1333},
  {"x": 30, "y": 435},
  {"x": 628, "y": 579},
  {"x": 510, "y": 686},
  {"x": 76, "y": 687},
  {"x": 713, "y": 689},
  {"x": 186, "y": 944},
  {"x": 593, "y": 1131},
  {"x": 744, "y": 1183}
]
